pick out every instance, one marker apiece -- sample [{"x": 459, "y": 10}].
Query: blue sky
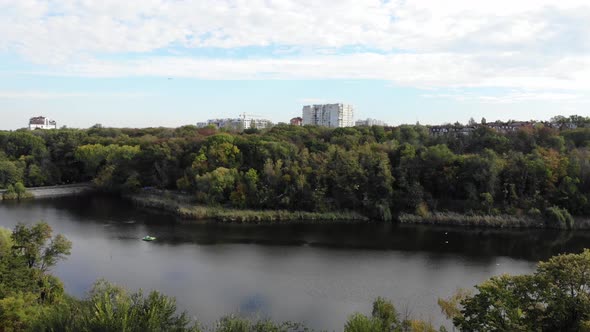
[{"x": 172, "y": 62}]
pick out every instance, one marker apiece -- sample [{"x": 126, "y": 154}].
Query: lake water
[{"x": 318, "y": 274}]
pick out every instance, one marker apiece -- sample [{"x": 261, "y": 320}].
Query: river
[{"x": 318, "y": 274}]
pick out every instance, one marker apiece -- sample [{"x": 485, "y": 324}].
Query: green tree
[
  {"x": 18, "y": 312},
  {"x": 20, "y": 190},
  {"x": 36, "y": 247},
  {"x": 216, "y": 186},
  {"x": 10, "y": 193},
  {"x": 384, "y": 318},
  {"x": 9, "y": 173},
  {"x": 554, "y": 298},
  {"x": 361, "y": 323},
  {"x": 218, "y": 151},
  {"x": 35, "y": 176},
  {"x": 5, "y": 241},
  {"x": 92, "y": 156}
]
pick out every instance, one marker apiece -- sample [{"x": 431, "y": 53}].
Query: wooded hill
[{"x": 376, "y": 171}]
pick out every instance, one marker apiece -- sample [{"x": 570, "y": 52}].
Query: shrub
[
  {"x": 233, "y": 323},
  {"x": 422, "y": 210},
  {"x": 361, "y": 323},
  {"x": 534, "y": 212},
  {"x": 558, "y": 218},
  {"x": 10, "y": 193},
  {"x": 21, "y": 191}
]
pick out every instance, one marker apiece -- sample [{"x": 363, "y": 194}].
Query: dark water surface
[{"x": 313, "y": 273}]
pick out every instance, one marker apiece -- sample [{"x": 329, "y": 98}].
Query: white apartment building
[
  {"x": 236, "y": 124},
  {"x": 41, "y": 122},
  {"x": 370, "y": 122},
  {"x": 328, "y": 115}
]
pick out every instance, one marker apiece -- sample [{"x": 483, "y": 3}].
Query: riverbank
[
  {"x": 490, "y": 221},
  {"x": 57, "y": 191},
  {"x": 184, "y": 206}
]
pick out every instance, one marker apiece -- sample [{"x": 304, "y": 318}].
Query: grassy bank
[
  {"x": 184, "y": 206},
  {"x": 495, "y": 221},
  {"x": 458, "y": 219}
]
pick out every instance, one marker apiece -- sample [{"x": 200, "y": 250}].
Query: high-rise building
[
  {"x": 328, "y": 115},
  {"x": 41, "y": 122}
]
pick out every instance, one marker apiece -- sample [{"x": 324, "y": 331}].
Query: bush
[
  {"x": 534, "y": 212},
  {"x": 9, "y": 193},
  {"x": 16, "y": 191},
  {"x": 422, "y": 210},
  {"x": 112, "y": 308},
  {"x": 558, "y": 218},
  {"x": 232, "y": 323},
  {"x": 361, "y": 323}
]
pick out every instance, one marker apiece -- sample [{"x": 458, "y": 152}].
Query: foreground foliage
[{"x": 554, "y": 298}]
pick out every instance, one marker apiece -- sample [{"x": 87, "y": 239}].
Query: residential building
[
  {"x": 298, "y": 121},
  {"x": 370, "y": 122},
  {"x": 328, "y": 115},
  {"x": 236, "y": 123},
  {"x": 459, "y": 129},
  {"x": 41, "y": 122},
  {"x": 507, "y": 127},
  {"x": 455, "y": 130},
  {"x": 256, "y": 123}
]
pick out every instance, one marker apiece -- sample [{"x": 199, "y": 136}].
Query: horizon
[
  {"x": 466, "y": 123},
  {"x": 168, "y": 63}
]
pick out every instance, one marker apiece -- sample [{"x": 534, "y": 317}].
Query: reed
[
  {"x": 183, "y": 206},
  {"x": 458, "y": 219}
]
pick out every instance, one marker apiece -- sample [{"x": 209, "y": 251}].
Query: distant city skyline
[{"x": 172, "y": 63}]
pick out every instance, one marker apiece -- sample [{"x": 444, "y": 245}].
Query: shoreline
[
  {"x": 486, "y": 221},
  {"x": 183, "y": 206},
  {"x": 56, "y": 191}
]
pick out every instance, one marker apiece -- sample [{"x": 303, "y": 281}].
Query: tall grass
[
  {"x": 183, "y": 206},
  {"x": 457, "y": 219}
]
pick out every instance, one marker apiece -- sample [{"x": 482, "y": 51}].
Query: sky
[{"x": 173, "y": 62}]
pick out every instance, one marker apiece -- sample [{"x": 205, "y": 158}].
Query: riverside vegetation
[
  {"x": 556, "y": 297},
  {"x": 534, "y": 177},
  {"x": 183, "y": 205},
  {"x": 16, "y": 191}
]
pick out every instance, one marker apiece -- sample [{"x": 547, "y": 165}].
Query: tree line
[{"x": 376, "y": 171}]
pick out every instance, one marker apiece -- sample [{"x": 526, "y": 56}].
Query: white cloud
[
  {"x": 54, "y": 30},
  {"x": 510, "y": 97},
  {"x": 429, "y": 70},
  {"x": 531, "y": 44}
]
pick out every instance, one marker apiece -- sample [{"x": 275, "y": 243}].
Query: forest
[{"x": 379, "y": 172}]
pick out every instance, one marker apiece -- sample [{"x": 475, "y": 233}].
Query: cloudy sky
[{"x": 173, "y": 62}]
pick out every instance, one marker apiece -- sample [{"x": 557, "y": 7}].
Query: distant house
[
  {"x": 455, "y": 130},
  {"x": 498, "y": 126},
  {"x": 508, "y": 127},
  {"x": 298, "y": 121},
  {"x": 369, "y": 123},
  {"x": 41, "y": 122}
]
